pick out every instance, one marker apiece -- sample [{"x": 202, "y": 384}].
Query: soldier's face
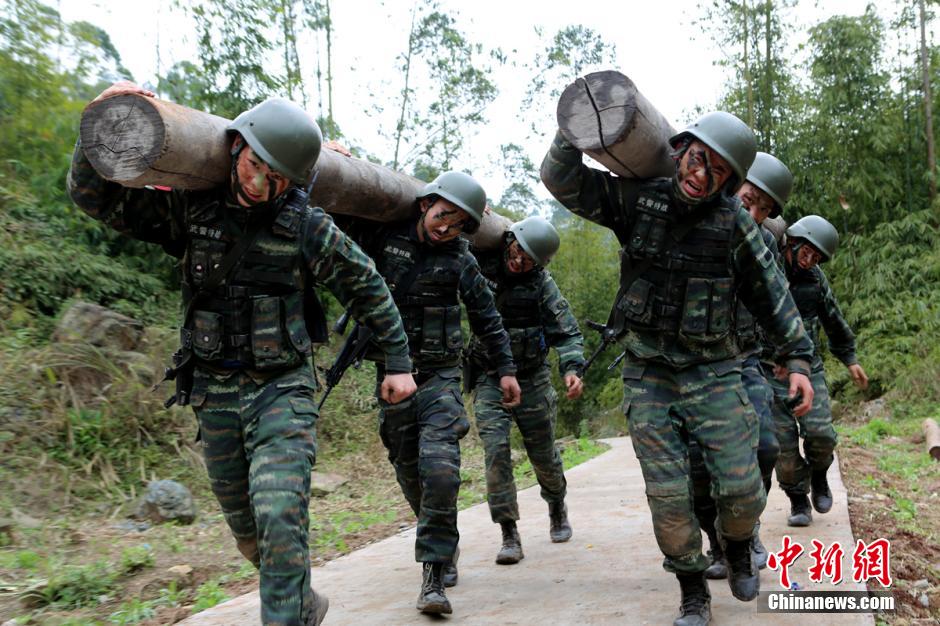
[
  {"x": 808, "y": 257},
  {"x": 517, "y": 261},
  {"x": 257, "y": 182},
  {"x": 702, "y": 171},
  {"x": 441, "y": 221},
  {"x": 758, "y": 203}
]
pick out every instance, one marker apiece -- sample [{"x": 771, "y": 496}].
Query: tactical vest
[
  {"x": 806, "y": 289},
  {"x": 746, "y": 325},
  {"x": 518, "y": 300},
  {"x": 258, "y": 317},
  {"x": 430, "y": 309},
  {"x": 682, "y": 307}
]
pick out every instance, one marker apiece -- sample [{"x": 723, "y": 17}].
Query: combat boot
[
  {"x": 801, "y": 514},
  {"x": 432, "y": 599},
  {"x": 696, "y": 607},
  {"x": 511, "y": 551},
  {"x": 718, "y": 569},
  {"x": 320, "y": 604},
  {"x": 757, "y": 547},
  {"x": 822, "y": 497},
  {"x": 743, "y": 576},
  {"x": 450, "y": 570},
  {"x": 560, "y": 530}
]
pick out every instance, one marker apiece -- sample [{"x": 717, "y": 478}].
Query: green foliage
[
  {"x": 75, "y": 586},
  {"x": 873, "y": 432},
  {"x": 136, "y": 558},
  {"x": 208, "y": 595}
]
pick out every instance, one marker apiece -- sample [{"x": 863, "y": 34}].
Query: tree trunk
[
  {"x": 928, "y": 104},
  {"x": 607, "y": 118},
  {"x": 137, "y": 141}
]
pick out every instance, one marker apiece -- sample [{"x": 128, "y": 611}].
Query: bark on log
[
  {"x": 138, "y": 141},
  {"x": 606, "y": 117},
  {"x": 932, "y": 435}
]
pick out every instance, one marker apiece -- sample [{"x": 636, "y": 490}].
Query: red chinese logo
[
  {"x": 826, "y": 563},
  {"x": 872, "y": 561},
  {"x": 784, "y": 559}
]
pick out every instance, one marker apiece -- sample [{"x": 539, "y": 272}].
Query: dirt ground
[{"x": 903, "y": 506}]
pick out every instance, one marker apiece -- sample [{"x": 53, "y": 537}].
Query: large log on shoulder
[
  {"x": 606, "y": 117},
  {"x": 138, "y": 141}
]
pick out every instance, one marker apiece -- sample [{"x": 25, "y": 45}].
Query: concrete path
[{"x": 609, "y": 573}]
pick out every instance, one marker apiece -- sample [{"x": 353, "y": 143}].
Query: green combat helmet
[
  {"x": 537, "y": 237},
  {"x": 728, "y": 136},
  {"x": 819, "y": 232},
  {"x": 283, "y": 135},
  {"x": 462, "y": 190},
  {"x": 772, "y": 177}
]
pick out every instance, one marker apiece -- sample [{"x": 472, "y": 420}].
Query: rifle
[
  {"x": 609, "y": 336},
  {"x": 352, "y": 352}
]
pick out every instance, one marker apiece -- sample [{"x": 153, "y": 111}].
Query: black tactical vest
[
  {"x": 806, "y": 289},
  {"x": 687, "y": 294},
  {"x": 265, "y": 313},
  {"x": 430, "y": 309},
  {"x": 518, "y": 300}
]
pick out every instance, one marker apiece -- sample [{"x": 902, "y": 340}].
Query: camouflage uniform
[
  {"x": 249, "y": 342},
  {"x": 760, "y": 394},
  {"x": 537, "y": 318},
  {"x": 818, "y": 306},
  {"x": 682, "y": 373},
  {"x": 423, "y": 434}
]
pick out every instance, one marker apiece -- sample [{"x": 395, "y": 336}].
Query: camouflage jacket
[
  {"x": 535, "y": 314},
  {"x": 818, "y": 307},
  {"x": 447, "y": 274},
  {"x": 611, "y": 202},
  {"x": 172, "y": 219}
]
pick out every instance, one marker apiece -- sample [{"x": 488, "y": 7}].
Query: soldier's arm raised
[
  {"x": 337, "y": 262},
  {"x": 593, "y": 194}
]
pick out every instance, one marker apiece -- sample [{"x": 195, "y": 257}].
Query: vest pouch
[
  {"x": 268, "y": 339},
  {"x": 440, "y": 334},
  {"x": 204, "y": 258},
  {"x": 295, "y": 320},
  {"x": 207, "y": 335},
  {"x": 636, "y": 303},
  {"x": 706, "y": 313},
  {"x": 527, "y": 346}
]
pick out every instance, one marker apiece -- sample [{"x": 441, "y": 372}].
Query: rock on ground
[{"x": 166, "y": 501}]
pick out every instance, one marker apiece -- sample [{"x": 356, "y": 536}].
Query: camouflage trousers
[
  {"x": 535, "y": 417},
  {"x": 760, "y": 394},
  {"x": 666, "y": 410},
  {"x": 422, "y": 435},
  {"x": 815, "y": 428},
  {"x": 259, "y": 440}
]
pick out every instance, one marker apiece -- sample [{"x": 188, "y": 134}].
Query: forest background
[{"x": 847, "y": 102}]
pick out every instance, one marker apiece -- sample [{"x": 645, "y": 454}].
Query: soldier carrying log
[
  {"x": 251, "y": 252},
  {"x": 688, "y": 250}
]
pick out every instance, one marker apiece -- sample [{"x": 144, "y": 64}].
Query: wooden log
[
  {"x": 606, "y": 117},
  {"x": 932, "y": 436},
  {"x": 138, "y": 141}
]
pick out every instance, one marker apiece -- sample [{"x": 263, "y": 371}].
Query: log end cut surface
[
  {"x": 122, "y": 136},
  {"x": 597, "y": 110}
]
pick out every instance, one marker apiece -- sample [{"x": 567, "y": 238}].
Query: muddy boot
[
  {"x": 320, "y": 604},
  {"x": 450, "y": 570},
  {"x": 760, "y": 552},
  {"x": 822, "y": 497},
  {"x": 718, "y": 569},
  {"x": 801, "y": 514},
  {"x": 743, "y": 576},
  {"x": 696, "y": 606},
  {"x": 560, "y": 530},
  {"x": 432, "y": 599},
  {"x": 511, "y": 551}
]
